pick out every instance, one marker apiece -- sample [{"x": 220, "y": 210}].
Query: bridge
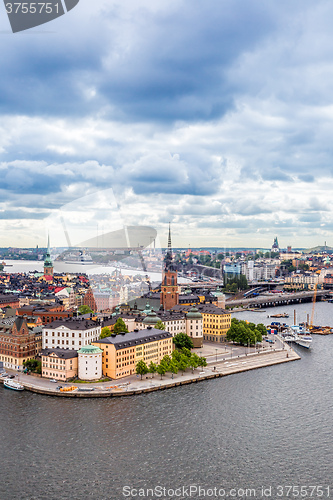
[{"x": 277, "y": 300}]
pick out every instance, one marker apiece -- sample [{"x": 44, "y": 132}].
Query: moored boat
[
  {"x": 11, "y": 384},
  {"x": 303, "y": 340},
  {"x": 300, "y": 335}
]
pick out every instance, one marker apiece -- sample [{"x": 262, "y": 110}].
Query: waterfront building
[
  {"x": 215, "y": 321},
  {"x": 60, "y": 364},
  {"x": 90, "y": 363},
  {"x": 122, "y": 352},
  {"x": 194, "y": 326},
  {"x": 71, "y": 333},
  {"x": 299, "y": 281},
  {"x": 17, "y": 342}
]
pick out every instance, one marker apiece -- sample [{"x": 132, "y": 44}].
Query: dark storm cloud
[{"x": 173, "y": 65}]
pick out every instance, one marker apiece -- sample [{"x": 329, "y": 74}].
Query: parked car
[
  {"x": 54, "y": 380},
  {"x": 4, "y": 374},
  {"x": 10, "y": 376}
]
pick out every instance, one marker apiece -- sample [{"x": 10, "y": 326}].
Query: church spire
[
  {"x": 48, "y": 264},
  {"x": 168, "y": 257},
  {"x": 169, "y": 239}
]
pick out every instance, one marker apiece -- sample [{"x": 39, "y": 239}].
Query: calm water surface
[{"x": 266, "y": 427}]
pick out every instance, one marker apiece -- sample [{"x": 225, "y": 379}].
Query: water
[
  {"x": 25, "y": 266},
  {"x": 323, "y": 314},
  {"x": 265, "y": 427}
]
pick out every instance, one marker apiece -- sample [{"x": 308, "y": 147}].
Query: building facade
[
  {"x": 71, "y": 333},
  {"x": 169, "y": 290},
  {"x": 60, "y": 364},
  {"x": 17, "y": 343},
  {"x": 122, "y": 352},
  {"x": 90, "y": 363}
]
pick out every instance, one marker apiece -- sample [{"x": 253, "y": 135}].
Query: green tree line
[
  {"x": 245, "y": 333},
  {"x": 178, "y": 361}
]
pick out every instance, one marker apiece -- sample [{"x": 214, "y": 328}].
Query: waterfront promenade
[{"x": 221, "y": 361}]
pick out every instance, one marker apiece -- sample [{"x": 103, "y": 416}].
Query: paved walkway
[{"x": 227, "y": 363}]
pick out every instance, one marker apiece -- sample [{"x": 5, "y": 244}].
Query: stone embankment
[{"x": 223, "y": 368}]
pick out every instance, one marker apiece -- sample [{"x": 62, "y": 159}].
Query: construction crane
[{"x": 313, "y": 306}]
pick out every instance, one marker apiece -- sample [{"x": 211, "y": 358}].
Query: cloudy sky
[{"x": 216, "y": 115}]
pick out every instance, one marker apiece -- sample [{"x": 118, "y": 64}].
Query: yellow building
[
  {"x": 60, "y": 364},
  {"x": 122, "y": 352},
  {"x": 216, "y": 322}
]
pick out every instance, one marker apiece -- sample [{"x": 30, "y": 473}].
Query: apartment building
[
  {"x": 70, "y": 333},
  {"x": 122, "y": 352}
]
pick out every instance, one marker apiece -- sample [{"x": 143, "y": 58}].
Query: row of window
[{"x": 73, "y": 335}]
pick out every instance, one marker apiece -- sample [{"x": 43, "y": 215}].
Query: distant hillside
[{"x": 319, "y": 249}]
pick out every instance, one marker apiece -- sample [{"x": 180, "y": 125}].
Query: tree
[
  {"x": 187, "y": 352},
  {"x": 161, "y": 369},
  {"x": 245, "y": 333},
  {"x": 166, "y": 360},
  {"x": 202, "y": 362},
  {"x": 176, "y": 355},
  {"x": 160, "y": 325},
  {"x": 182, "y": 340},
  {"x": 105, "y": 332},
  {"x": 152, "y": 368},
  {"x": 33, "y": 365},
  {"x": 141, "y": 368},
  {"x": 183, "y": 363},
  {"x": 194, "y": 362},
  {"x": 173, "y": 367},
  {"x": 120, "y": 326},
  {"x": 84, "y": 309}
]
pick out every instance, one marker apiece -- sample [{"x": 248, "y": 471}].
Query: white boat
[
  {"x": 300, "y": 335},
  {"x": 304, "y": 341},
  {"x": 11, "y": 384}
]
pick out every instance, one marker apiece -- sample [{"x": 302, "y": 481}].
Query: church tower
[
  {"x": 169, "y": 296},
  {"x": 48, "y": 264},
  {"x": 275, "y": 246}
]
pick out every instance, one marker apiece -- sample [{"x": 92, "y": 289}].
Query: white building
[
  {"x": 177, "y": 322},
  {"x": 70, "y": 333},
  {"x": 90, "y": 363}
]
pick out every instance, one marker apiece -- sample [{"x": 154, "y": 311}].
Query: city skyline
[{"x": 216, "y": 118}]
